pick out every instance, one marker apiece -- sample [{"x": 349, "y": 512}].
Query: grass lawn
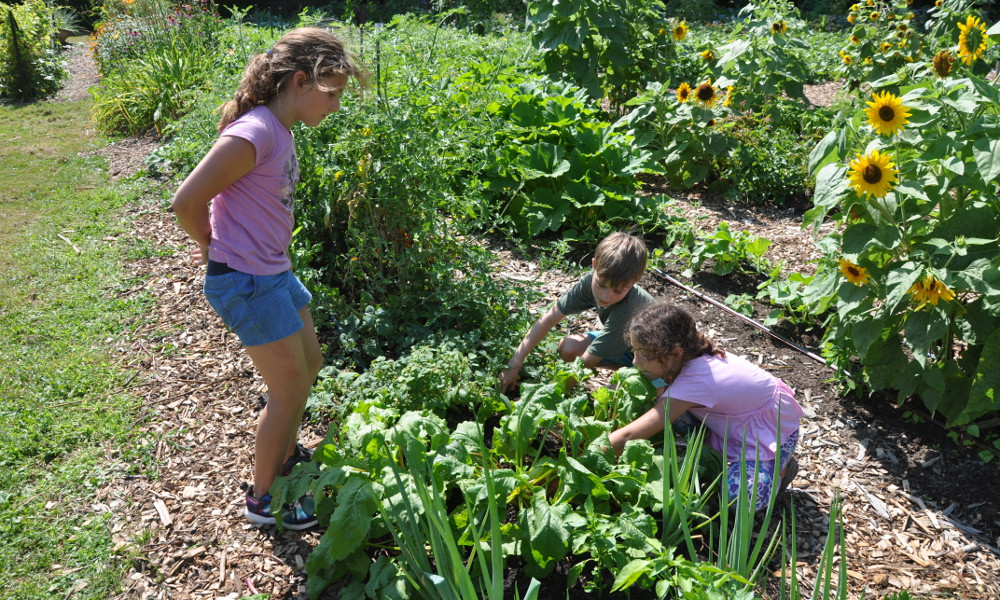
[{"x": 64, "y": 417}]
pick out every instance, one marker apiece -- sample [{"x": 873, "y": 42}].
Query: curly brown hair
[
  {"x": 660, "y": 327},
  {"x": 316, "y": 52},
  {"x": 620, "y": 259}
]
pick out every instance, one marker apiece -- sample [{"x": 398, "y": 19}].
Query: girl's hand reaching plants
[{"x": 508, "y": 378}]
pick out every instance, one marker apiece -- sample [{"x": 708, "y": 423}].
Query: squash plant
[{"x": 558, "y": 164}]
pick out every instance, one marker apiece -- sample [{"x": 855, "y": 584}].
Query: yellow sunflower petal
[
  {"x": 971, "y": 40},
  {"x": 872, "y": 174},
  {"x": 855, "y": 274},
  {"x": 887, "y": 114}
]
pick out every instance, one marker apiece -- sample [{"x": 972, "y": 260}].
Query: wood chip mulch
[{"x": 176, "y": 518}]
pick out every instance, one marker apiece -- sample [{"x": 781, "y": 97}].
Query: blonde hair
[
  {"x": 620, "y": 259},
  {"x": 316, "y": 52}
]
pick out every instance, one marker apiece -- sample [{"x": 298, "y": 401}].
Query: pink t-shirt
[
  {"x": 252, "y": 219},
  {"x": 739, "y": 403}
]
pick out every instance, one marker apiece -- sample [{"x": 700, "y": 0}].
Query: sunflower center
[
  {"x": 872, "y": 174},
  {"x": 854, "y": 271},
  {"x": 705, "y": 92},
  {"x": 886, "y": 113}
]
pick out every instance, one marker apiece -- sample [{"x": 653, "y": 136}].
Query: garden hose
[{"x": 743, "y": 317}]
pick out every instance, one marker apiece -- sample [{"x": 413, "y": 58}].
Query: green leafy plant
[
  {"x": 764, "y": 60},
  {"x": 30, "y": 66},
  {"x": 682, "y": 130},
  {"x": 611, "y": 49},
  {"x": 155, "y": 60},
  {"x": 727, "y": 251},
  {"x": 558, "y": 164},
  {"x": 882, "y": 39}
]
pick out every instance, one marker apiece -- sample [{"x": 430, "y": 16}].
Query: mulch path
[{"x": 920, "y": 512}]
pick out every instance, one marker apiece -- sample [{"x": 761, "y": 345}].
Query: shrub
[
  {"x": 30, "y": 66},
  {"x": 611, "y": 49},
  {"x": 558, "y": 164}
]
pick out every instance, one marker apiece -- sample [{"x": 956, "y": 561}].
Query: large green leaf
[
  {"x": 828, "y": 149},
  {"x": 831, "y": 185},
  {"x": 923, "y": 328},
  {"x": 543, "y": 160},
  {"x": 983, "y": 397},
  {"x": 547, "y": 534},
  {"x": 987, "y": 153}
]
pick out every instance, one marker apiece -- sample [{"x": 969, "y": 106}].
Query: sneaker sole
[{"x": 261, "y": 520}]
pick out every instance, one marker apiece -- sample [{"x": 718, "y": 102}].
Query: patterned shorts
[{"x": 765, "y": 473}]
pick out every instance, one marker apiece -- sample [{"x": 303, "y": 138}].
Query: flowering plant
[{"x": 910, "y": 284}]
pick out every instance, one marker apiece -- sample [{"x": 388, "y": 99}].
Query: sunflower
[
  {"x": 661, "y": 31},
  {"x": 855, "y": 274},
  {"x": 705, "y": 93},
  {"x": 683, "y": 92},
  {"x": 873, "y": 16},
  {"x": 928, "y": 290},
  {"x": 872, "y": 174},
  {"x": 851, "y": 19},
  {"x": 855, "y": 39},
  {"x": 854, "y": 8},
  {"x": 943, "y": 62},
  {"x": 886, "y": 113},
  {"x": 680, "y": 31},
  {"x": 971, "y": 40},
  {"x": 938, "y": 3},
  {"x": 846, "y": 58},
  {"x": 779, "y": 27},
  {"x": 708, "y": 56},
  {"x": 902, "y": 27},
  {"x": 729, "y": 96},
  {"x": 886, "y": 46}
]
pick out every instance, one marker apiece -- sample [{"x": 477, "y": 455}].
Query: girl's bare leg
[{"x": 289, "y": 367}]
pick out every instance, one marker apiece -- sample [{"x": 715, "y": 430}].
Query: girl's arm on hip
[{"x": 229, "y": 159}]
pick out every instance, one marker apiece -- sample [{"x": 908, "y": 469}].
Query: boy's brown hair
[{"x": 620, "y": 259}]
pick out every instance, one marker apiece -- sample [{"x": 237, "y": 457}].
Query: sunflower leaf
[{"x": 987, "y": 153}]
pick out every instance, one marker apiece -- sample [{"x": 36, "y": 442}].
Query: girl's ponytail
[{"x": 316, "y": 52}]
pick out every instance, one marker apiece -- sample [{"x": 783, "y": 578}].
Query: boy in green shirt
[{"x": 610, "y": 288}]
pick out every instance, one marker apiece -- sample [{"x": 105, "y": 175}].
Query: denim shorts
[
  {"x": 260, "y": 309},
  {"x": 624, "y": 359}
]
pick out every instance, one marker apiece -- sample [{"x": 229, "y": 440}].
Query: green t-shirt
[{"x": 610, "y": 343}]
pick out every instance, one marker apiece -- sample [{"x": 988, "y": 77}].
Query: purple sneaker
[{"x": 297, "y": 515}]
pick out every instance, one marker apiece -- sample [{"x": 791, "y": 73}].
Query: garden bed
[{"x": 920, "y": 511}]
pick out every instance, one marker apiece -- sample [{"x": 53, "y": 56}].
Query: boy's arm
[
  {"x": 228, "y": 160},
  {"x": 538, "y": 331},
  {"x": 649, "y": 424}
]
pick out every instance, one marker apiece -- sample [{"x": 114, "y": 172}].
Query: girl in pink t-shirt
[
  {"x": 238, "y": 205},
  {"x": 739, "y": 403}
]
